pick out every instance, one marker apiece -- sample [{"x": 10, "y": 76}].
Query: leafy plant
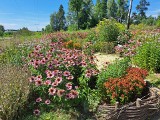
[
  {"x": 14, "y": 90},
  {"x": 114, "y": 70},
  {"x": 126, "y": 88},
  {"x": 61, "y": 76},
  {"x": 148, "y": 56}
]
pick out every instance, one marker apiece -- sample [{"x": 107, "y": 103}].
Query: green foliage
[
  {"x": 149, "y": 21},
  {"x": 58, "y": 20},
  {"x": 72, "y": 27},
  {"x": 142, "y": 7},
  {"x": 124, "y": 37},
  {"x": 48, "y": 29},
  {"x": 158, "y": 23},
  {"x": 148, "y": 56},
  {"x": 54, "y": 115},
  {"x": 15, "y": 55},
  {"x": 114, "y": 70},
  {"x": 24, "y": 32},
  {"x": 14, "y": 90},
  {"x": 1, "y": 30},
  {"x": 108, "y": 30},
  {"x": 111, "y": 8}
]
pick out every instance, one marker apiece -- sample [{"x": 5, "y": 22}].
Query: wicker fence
[{"x": 141, "y": 109}]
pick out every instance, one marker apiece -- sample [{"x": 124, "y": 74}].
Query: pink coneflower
[
  {"x": 38, "y": 82},
  {"x": 88, "y": 75},
  {"x": 50, "y": 74},
  {"x": 84, "y": 64},
  {"x": 52, "y": 91},
  {"x": 37, "y": 112},
  {"x": 68, "y": 96},
  {"x": 69, "y": 86},
  {"x": 47, "y": 102},
  {"x": 60, "y": 93},
  {"x": 47, "y": 82},
  {"x": 39, "y": 77},
  {"x": 66, "y": 73},
  {"x": 74, "y": 93},
  {"x": 55, "y": 84},
  {"x": 31, "y": 79},
  {"x": 70, "y": 77},
  {"x": 39, "y": 99},
  {"x": 58, "y": 79}
]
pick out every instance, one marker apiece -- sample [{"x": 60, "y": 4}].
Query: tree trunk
[{"x": 129, "y": 14}]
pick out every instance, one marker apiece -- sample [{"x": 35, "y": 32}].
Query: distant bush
[
  {"x": 14, "y": 90},
  {"x": 108, "y": 30},
  {"x": 158, "y": 23},
  {"x": 148, "y": 56},
  {"x": 24, "y": 32}
]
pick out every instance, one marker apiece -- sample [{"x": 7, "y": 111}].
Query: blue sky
[{"x": 35, "y": 14}]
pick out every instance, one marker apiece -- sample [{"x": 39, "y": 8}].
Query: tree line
[{"x": 83, "y": 14}]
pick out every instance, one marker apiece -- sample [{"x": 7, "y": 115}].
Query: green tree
[
  {"x": 141, "y": 8},
  {"x": 24, "y": 32},
  {"x": 48, "y": 29},
  {"x": 97, "y": 11},
  {"x": 86, "y": 14},
  {"x": 111, "y": 8},
  {"x": 2, "y": 30},
  {"x": 104, "y": 8},
  {"x": 54, "y": 22},
  {"x": 122, "y": 10},
  {"x": 61, "y": 18},
  {"x": 75, "y": 7}
]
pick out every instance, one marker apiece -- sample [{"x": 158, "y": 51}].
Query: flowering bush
[
  {"x": 60, "y": 75},
  {"x": 128, "y": 87}
]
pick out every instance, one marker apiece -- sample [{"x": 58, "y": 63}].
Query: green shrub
[
  {"x": 148, "y": 56},
  {"x": 124, "y": 37},
  {"x": 14, "y": 90},
  {"x": 114, "y": 70},
  {"x": 158, "y": 23},
  {"x": 104, "y": 47},
  {"x": 108, "y": 30}
]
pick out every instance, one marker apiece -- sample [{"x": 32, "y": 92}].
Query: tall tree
[
  {"x": 75, "y": 6},
  {"x": 86, "y": 14},
  {"x": 104, "y": 8},
  {"x": 111, "y": 8},
  {"x": 61, "y": 18},
  {"x": 142, "y": 7},
  {"x": 98, "y": 11},
  {"x": 1, "y": 30},
  {"x": 129, "y": 14},
  {"x": 54, "y": 22},
  {"x": 122, "y": 10}
]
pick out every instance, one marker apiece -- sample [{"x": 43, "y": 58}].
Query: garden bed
[{"x": 141, "y": 109}]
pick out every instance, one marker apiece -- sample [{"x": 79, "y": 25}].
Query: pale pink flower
[
  {"x": 47, "y": 102},
  {"x": 69, "y": 86},
  {"x": 38, "y": 82},
  {"x": 70, "y": 77},
  {"x": 66, "y": 73},
  {"x": 47, "y": 82},
  {"x": 31, "y": 79},
  {"x": 37, "y": 112},
  {"x": 55, "y": 84},
  {"x": 58, "y": 79},
  {"x": 60, "y": 93},
  {"x": 39, "y": 99},
  {"x": 52, "y": 91}
]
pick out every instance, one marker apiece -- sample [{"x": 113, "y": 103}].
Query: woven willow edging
[{"x": 141, "y": 109}]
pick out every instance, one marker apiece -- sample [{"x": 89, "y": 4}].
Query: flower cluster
[
  {"x": 128, "y": 49},
  {"x": 56, "y": 71},
  {"x": 127, "y": 87}
]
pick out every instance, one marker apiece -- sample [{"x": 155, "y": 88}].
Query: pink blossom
[
  {"x": 60, "y": 93},
  {"x": 66, "y": 73},
  {"x": 69, "y": 86},
  {"x": 37, "y": 112},
  {"x": 38, "y": 82},
  {"x": 52, "y": 91},
  {"x": 47, "y": 102},
  {"x": 39, "y": 99},
  {"x": 55, "y": 84},
  {"x": 32, "y": 79},
  {"x": 47, "y": 82},
  {"x": 70, "y": 77},
  {"x": 58, "y": 79}
]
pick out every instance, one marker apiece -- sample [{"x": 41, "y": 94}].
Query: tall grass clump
[{"x": 14, "y": 90}]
